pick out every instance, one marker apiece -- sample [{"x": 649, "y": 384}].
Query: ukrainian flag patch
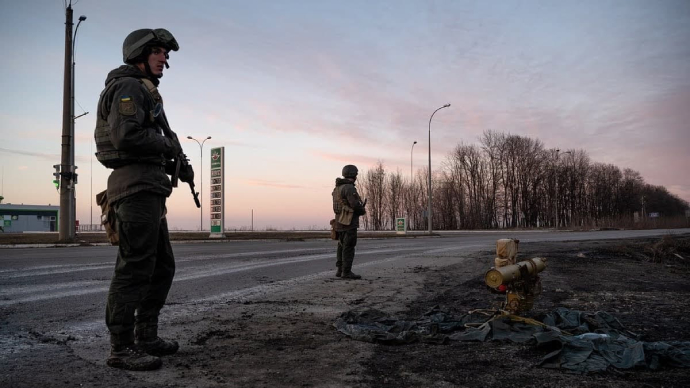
[{"x": 126, "y": 106}]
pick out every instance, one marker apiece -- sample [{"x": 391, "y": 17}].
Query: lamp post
[
  {"x": 429, "y": 204},
  {"x": 201, "y": 179},
  {"x": 415, "y": 142},
  {"x": 73, "y": 206},
  {"x": 73, "y": 199}
]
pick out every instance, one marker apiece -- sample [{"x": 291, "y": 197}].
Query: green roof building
[{"x": 28, "y": 218}]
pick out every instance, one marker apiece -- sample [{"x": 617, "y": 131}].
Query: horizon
[{"x": 296, "y": 90}]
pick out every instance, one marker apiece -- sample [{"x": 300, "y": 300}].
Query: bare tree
[
  {"x": 492, "y": 145},
  {"x": 373, "y": 189},
  {"x": 394, "y": 196},
  {"x": 512, "y": 181}
]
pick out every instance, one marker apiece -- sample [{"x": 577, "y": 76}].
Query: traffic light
[{"x": 56, "y": 174}]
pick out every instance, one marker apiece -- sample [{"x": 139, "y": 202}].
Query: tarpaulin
[{"x": 577, "y": 341}]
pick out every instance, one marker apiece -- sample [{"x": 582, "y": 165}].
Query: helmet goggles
[
  {"x": 165, "y": 38},
  {"x": 156, "y": 37}
]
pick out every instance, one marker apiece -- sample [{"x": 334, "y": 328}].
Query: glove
[{"x": 187, "y": 173}]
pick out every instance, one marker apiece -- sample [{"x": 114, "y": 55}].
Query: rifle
[
  {"x": 181, "y": 159},
  {"x": 180, "y": 162}
]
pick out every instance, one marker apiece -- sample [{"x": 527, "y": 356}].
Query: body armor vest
[
  {"x": 106, "y": 153},
  {"x": 338, "y": 199}
]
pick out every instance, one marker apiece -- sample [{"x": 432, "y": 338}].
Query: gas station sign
[
  {"x": 217, "y": 207},
  {"x": 400, "y": 225}
]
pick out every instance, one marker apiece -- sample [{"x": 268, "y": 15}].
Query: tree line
[{"x": 510, "y": 181}]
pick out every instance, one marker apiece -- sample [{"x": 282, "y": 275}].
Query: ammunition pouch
[
  {"x": 345, "y": 215},
  {"x": 343, "y": 212},
  {"x": 108, "y": 218}
]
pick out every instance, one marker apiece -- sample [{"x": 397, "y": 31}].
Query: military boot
[
  {"x": 148, "y": 340},
  {"x": 350, "y": 275},
  {"x": 347, "y": 271},
  {"x": 339, "y": 272},
  {"x": 131, "y": 357}
]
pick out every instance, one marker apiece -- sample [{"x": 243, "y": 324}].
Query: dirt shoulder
[
  {"x": 643, "y": 283},
  {"x": 286, "y": 338},
  {"x": 290, "y": 341}
]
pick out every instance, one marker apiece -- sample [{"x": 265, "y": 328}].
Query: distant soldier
[
  {"x": 133, "y": 138},
  {"x": 347, "y": 206}
]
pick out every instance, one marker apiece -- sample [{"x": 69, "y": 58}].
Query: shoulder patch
[{"x": 127, "y": 106}]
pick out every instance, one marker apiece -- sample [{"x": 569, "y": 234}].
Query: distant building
[{"x": 28, "y": 218}]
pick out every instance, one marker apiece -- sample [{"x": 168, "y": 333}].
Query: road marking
[
  {"x": 184, "y": 275},
  {"x": 201, "y": 305},
  {"x": 7, "y": 291},
  {"x": 84, "y": 330},
  {"x": 196, "y": 273}
]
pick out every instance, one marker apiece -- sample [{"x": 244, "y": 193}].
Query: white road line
[
  {"x": 13, "y": 344},
  {"x": 7, "y": 291},
  {"x": 185, "y": 274},
  {"x": 200, "y": 305},
  {"x": 69, "y": 268}
]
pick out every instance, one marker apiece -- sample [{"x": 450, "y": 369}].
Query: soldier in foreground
[
  {"x": 134, "y": 139},
  {"x": 348, "y": 207}
]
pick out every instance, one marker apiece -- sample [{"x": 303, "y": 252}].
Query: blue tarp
[{"x": 577, "y": 341}]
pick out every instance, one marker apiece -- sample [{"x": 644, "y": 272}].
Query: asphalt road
[{"x": 62, "y": 291}]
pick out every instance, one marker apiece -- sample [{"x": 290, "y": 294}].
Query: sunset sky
[{"x": 296, "y": 89}]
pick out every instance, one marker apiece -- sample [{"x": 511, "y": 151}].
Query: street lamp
[
  {"x": 201, "y": 179},
  {"x": 73, "y": 210},
  {"x": 415, "y": 142},
  {"x": 429, "y": 204}
]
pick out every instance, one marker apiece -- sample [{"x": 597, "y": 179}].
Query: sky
[{"x": 294, "y": 90}]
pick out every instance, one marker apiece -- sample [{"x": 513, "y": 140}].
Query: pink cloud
[
  {"x": 257, "y": 182},
  {"x": 362, "y": 161}
]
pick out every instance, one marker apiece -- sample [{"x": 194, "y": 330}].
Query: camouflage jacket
[
  {"x": 145, "y": 142},
  {"x": 345, "y": 192}
]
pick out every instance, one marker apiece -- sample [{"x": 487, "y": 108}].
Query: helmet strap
[
  {"x": 145, "y": 54},
  {"x": 149, "y": 72}
]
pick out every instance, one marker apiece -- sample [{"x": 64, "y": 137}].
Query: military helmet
[
  {"x": 350, "y": 171},
  {"x": 135, "y": 43}
]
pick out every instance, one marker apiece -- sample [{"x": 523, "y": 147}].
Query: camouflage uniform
[
  {"x": 345, "y": 193},
  {"x": 139, "y": 146}
]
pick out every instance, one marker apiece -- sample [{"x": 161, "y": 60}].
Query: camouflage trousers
[
  {"x": 144, "y": 268},
  {"x": 347, "y": 240}
]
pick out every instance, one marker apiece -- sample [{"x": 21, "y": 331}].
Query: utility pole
[{"x": 66, "y": 225}]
